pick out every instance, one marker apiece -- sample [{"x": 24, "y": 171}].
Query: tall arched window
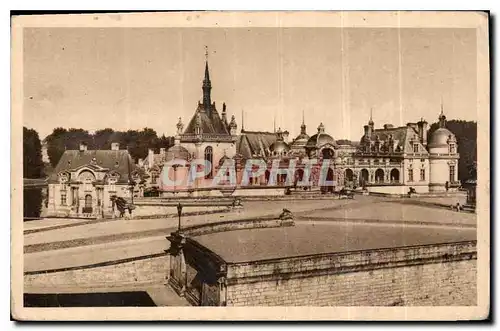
[
  {"x": 379, "y": 175},
  {"x": 87, "y": 209},
  {"x": 209, "y": 158}
]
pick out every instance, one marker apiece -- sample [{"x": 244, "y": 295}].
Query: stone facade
[
  {"x": 84, "y": 181},
  {"x": 386, "y": 160}
]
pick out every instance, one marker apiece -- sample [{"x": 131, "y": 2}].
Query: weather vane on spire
[{"x": 206, "y": 52}]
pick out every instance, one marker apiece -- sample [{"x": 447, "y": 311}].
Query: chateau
[{"x": 387, "y": 159}]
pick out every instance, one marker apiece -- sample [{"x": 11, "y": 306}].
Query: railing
[
  {"x": 384, "y": 183},
  {"x": 207, "y": 137},
  {"x": 451, "y": 155}
]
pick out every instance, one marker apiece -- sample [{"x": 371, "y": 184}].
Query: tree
[
  {"x": 55, "y": 145},
  {"x": 136, "y": 142},
  {"x": 32, "y": 202},
  {"x": 104, "y": 138},
  {"x": 32, "y": 154},
  {"x": 466, "y": 134},
  {"x": 61, "y": 139}
]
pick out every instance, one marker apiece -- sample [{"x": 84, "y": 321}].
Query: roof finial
[
  {"x": 303, "y": 126},
  {"x": 274, "y": 123},
  {"x": 370, "y": 122},
  {"x": 242, "y": 120},
  {"x": 442, "y": 112},
  {"x": 206, "y": 53}
]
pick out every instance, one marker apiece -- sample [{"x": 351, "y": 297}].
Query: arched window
[
  {"x": 452, "y": 148},
  {"x": 209, "y": 158},
  {"x": 379, "y": 175},
  {"x": 395, "y": 175},
  {"x": 364, "y": 176},
  {"x": 349, "y": 175},
  {"x": 87, "y": 209},
  {"x": 327, "y": 153}
]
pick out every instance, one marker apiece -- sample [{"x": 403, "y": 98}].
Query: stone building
[
  {"x": 387, "y": 159},
  {"x": 84, "y": 181}
]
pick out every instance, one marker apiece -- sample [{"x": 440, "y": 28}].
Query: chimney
[
  {"x": 83, "y": 146},
  {"x": 115, "y": 146},
  {"x": 422, "y": 131}
]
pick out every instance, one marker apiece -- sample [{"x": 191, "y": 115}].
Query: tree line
[{"x": 136, "y": 142}]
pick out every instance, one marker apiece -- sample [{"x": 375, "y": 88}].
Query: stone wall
[
  {"x": 149, "y": 269},
  {"x": 436, "y": 284},
  {"x": 145, "y": 210},
  {"x": 443, "y": 274}
]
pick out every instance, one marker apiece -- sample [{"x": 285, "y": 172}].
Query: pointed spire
[
  {"x": 207, "y": 85},
  {"x": 370, "y": 122},
  {"x": 442, "y": 117},
  {"x": 303, "y": 126},
  {"x": 242, "y": 120},
  {"x": 207, "y": 73}
]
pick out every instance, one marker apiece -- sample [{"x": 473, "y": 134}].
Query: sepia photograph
[{"x": 297, "y": 165}]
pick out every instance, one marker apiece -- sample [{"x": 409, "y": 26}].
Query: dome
[
  {"x": 177, "y": 152},
  {"x": 301, "y": 139},
  {"x": 279, "y": 147},
  {"x": 439, "y": 138},
  {"x": 320, "y": 139}
]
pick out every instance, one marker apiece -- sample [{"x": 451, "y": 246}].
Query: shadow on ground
[{"x": 112, "y": 299}]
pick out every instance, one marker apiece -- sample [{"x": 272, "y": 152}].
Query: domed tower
[
  {"x": 443, "y": 158},
  {"x": 279, "y": 147},
  {"x": 320, "y": 142}
]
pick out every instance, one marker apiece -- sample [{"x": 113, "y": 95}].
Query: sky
[{"x": 131, "y": 78}]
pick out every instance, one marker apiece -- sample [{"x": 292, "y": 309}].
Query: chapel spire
[{"x": 207, "y": 86}]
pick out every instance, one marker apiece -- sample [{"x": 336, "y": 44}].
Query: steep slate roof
[
  {"x": 209, "y": 124},
  {"x": 118, "y": 161},
  {"x": 252, "y": 143},
  {"x": 401, "y": 135}
]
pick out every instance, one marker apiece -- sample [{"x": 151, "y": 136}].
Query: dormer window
[
  {"x": 415, "y": 148},
  {"x": 452, "y": 148}
]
